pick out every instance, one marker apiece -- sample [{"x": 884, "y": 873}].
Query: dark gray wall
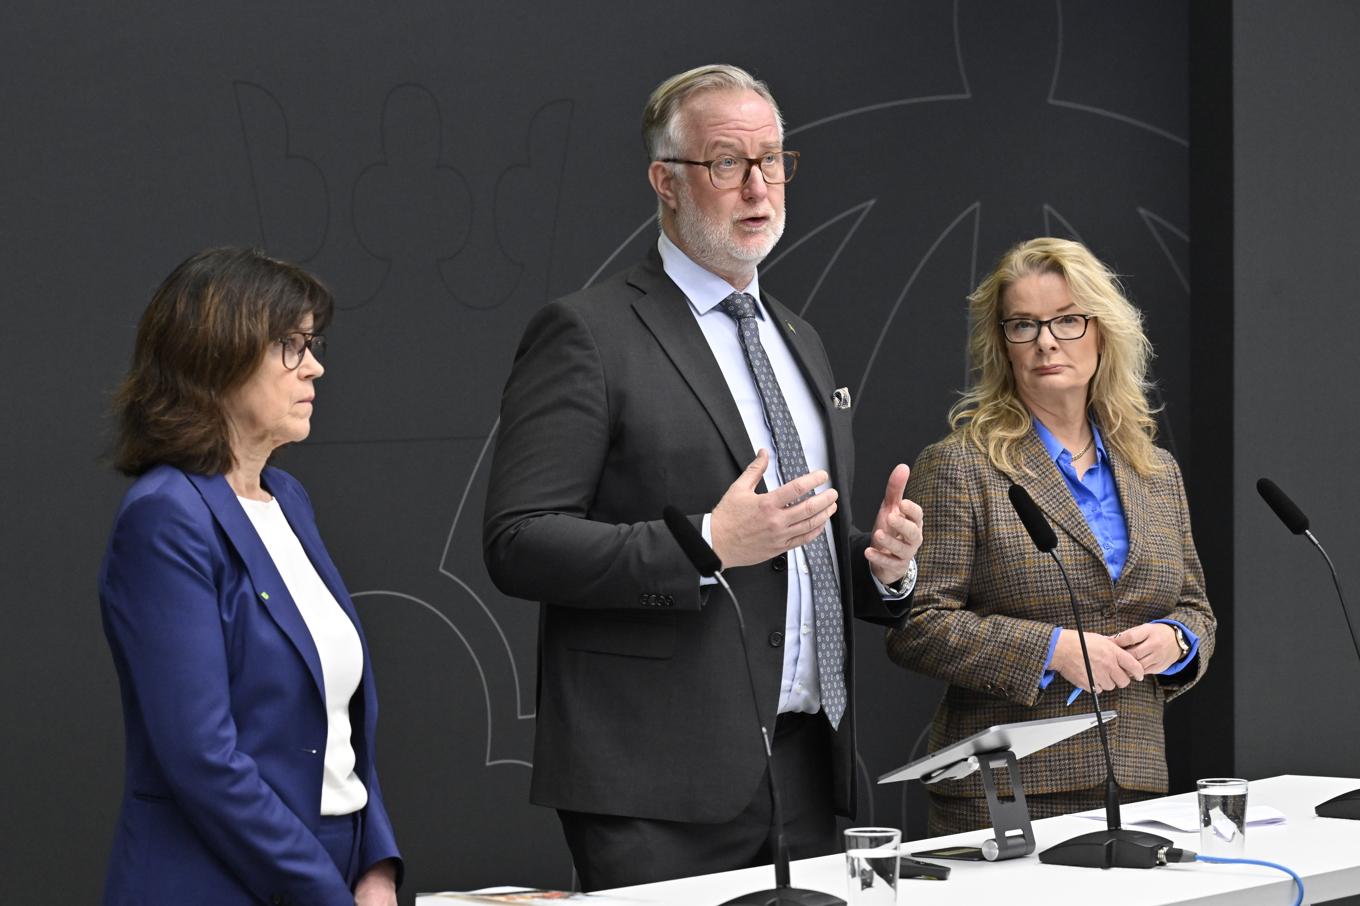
[
  {"x": 1297, "y": 143},
  {"x": 447, "y": 168}
]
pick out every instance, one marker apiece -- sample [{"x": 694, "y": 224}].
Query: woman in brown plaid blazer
[{"x": 1059, "y": 394}]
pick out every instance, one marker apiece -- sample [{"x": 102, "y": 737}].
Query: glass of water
[
  {"x": 1222, "y": 816},
  {"x": 871, "y": 865}
]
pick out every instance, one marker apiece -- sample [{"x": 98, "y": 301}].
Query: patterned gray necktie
[{"x": 792, "y": 463}]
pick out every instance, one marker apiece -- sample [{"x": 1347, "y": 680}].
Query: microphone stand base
[
  {"x": 1347, "y": 805},
  {"x": 786, "y": 896},
  {"x": 1119, "y": 848}
]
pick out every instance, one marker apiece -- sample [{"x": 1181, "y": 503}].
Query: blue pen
[{"x": 1073, "y": 697}]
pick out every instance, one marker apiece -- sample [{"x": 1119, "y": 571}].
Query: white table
[{"x": 1324, "y": 851}]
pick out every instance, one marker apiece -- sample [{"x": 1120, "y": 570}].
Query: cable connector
[{"x": 1169, "y": 854}]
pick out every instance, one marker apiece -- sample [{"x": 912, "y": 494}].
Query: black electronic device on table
[
  {"x": 913, "y": 869},
  {"x": 961, "y": 853}
]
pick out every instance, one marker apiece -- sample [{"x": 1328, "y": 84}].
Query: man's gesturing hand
[
  {"x": 750, "y": 528},
  {"x": 897, "y": 531}
]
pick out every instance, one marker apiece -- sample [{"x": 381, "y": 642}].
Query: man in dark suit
[{"x": 679, "y": 382}]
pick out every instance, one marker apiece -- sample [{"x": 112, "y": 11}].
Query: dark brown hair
[{"x": 205, "y": 332}]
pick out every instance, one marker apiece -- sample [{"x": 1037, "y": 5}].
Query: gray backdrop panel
[
  {"x": 447, "y": 168},
  {"x": 1296, "y": 241}
]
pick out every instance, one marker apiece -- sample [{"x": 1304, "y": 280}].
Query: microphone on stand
[
  {"x": 708, "y": 564},
  {"x": 1347, "y": 805},
  {"x": 1116, "y": 846}
]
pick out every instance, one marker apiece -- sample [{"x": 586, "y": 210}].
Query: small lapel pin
[
  {"x": 841, "y": 398},
  {"x": 789, "y": 325},
  {"x": 264, "y": 596}
]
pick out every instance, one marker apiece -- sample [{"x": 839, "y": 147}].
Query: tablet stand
[
  {"x": 991, "y": 752},
  {"x": 1010, "y": 818}
]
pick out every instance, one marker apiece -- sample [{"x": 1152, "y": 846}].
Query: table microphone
[
  {"x": 708, "y": 564},
  {"x": 1116, "y": 846},
  {"x": 1347, "y": 805}
]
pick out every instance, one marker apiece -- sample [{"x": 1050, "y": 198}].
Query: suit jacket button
[
  {"x": 776, "y": 639},
  {"x": 778, "y": 563}
]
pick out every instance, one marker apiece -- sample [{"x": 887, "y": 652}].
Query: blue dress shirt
[{"x": 1098, "y": 499}]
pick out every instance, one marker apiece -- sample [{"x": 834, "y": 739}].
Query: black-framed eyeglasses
[
  {"x": 731, "y": 172},
  {"x": 296, "y": 344},
  {"x": 1063, "y": 327}
]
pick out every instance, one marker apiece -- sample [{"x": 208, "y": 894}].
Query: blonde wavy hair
[{"x": 990, "y": 413}]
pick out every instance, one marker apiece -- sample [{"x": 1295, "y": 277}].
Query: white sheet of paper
[
  {"x": 1181, "y": 816},
  {"x": 1223, "y": 825}
]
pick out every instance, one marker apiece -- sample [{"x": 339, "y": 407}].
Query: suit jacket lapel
[
  {"x": 264, "y": 576},
  {"x": 1049, "y": 489},
  {"x": 811, "y": 358},
  {"x": 666, "y": 313},
  {"x": 1133, "y": 496},
  {"x": 806, "y": 350},
  {"x": 304, "y": 527},
  {"x": 310, "y": 538}
]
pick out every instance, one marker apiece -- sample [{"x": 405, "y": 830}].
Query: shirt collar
[
  {"x": 704, "y": 289},
  {"x": 1056, "y": 451}
]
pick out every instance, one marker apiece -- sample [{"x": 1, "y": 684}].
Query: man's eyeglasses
[
  {"x": 729, "y": 172},
  {"x": 295, "y": 346},
  {"x": 1063, "y": 327}
]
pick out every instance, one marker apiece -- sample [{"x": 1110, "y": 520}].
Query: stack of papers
[{"x": 1180, "y": 816}]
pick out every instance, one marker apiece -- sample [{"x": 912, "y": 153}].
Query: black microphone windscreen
[
  {"x": 691, "y": 542},
  {"x": 1040, "y": 532},
  {"x": 1278, "y": 501}
]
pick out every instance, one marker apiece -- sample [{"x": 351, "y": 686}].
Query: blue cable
[{"x": 1288, "y": 871}]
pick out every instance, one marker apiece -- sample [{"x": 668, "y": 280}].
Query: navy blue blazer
[{"x": 223, "y": 704}]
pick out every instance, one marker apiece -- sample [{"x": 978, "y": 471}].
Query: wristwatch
[
  {"x": 903, "y": 586},
  {"x": 1180, "y": 641}
]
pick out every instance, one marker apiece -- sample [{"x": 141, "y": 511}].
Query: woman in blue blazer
[{"x": 248, "y": 698}]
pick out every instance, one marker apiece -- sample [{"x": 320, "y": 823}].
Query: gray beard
[{"x": 712, "y": 245}]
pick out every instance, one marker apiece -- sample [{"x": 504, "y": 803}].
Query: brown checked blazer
[{"x": 987, "y": 601}]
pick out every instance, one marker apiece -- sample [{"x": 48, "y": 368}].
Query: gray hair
[{"x": 661, "y": 134}]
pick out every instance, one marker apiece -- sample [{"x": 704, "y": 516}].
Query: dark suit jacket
[
  {"x": 987, "y": 601},
  {"x": 223, "y": 704},
  {"x": 615, "y": 408}
]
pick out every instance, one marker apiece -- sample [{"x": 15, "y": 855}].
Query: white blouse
[{"x": 337, "y": 644}]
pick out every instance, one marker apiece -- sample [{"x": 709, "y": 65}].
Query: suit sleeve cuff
[
  {"x": 707, "y": 531},
  {"x": 902, "y": 589}
]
